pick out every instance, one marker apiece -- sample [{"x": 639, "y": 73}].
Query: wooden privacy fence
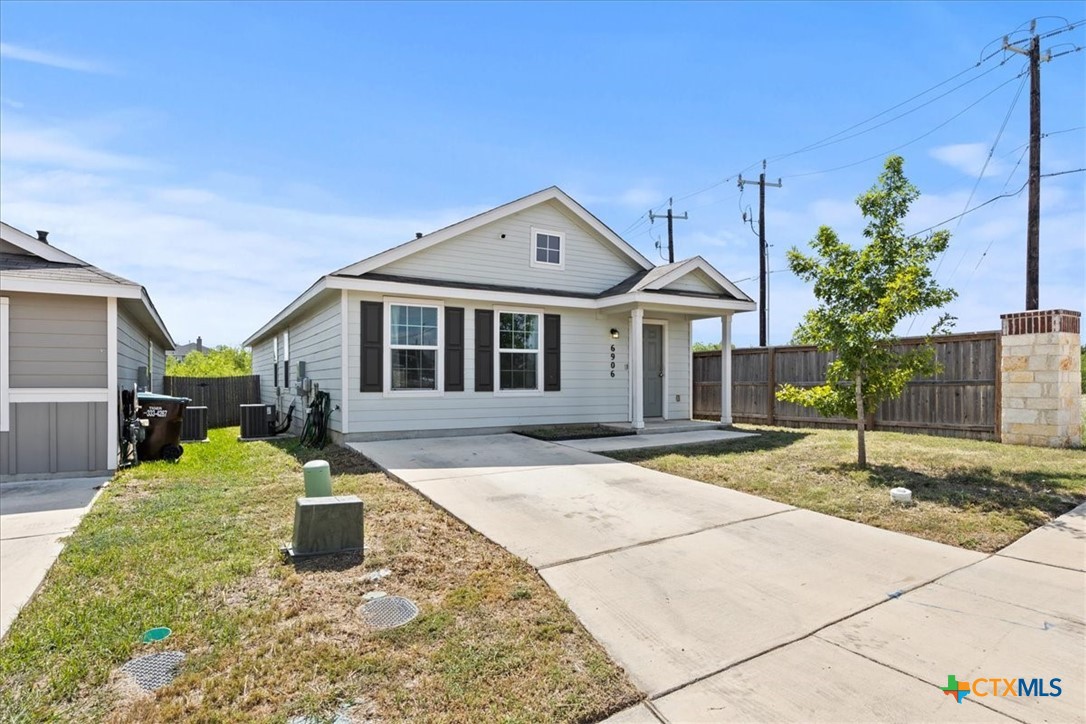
[
  {"x": 961, "y": 401},
  {"x": 220, "y": 395}
]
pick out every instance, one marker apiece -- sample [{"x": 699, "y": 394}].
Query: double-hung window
[
  {"x": 548, "y": 249},
  {"x": 519, "y": 364},
  {"x": 413, "y": 347}
]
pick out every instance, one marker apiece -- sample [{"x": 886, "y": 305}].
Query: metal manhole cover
[
  {"x": 389, "y": 612},
  {"x": 155, "y": 670}
]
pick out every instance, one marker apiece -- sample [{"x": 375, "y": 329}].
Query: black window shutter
[
  {"x": 373, "y": 324},
  {"x": 454, "y": 349},
  {"x": 484, "y": 350},
  {"x": 552, "y": 353},
  {"x": 275, "y": 371},
  {"x": 286, "y": 373}
]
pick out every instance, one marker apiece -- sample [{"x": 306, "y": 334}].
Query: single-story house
[
  {"x": 183, "y": 349},
  {"x": 71, "y": 337},
  {"x": 534, "y": 312}
]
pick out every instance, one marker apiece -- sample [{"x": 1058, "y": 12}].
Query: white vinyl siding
[
  {"x": 158, "y": 368},
  {"x": 264, "y": 365},
  {"x": 482, "y": 256},
  {"x": 57, "y": 341},
  {"x": 695, "y": 281},
  {"x": 588, "y": 394},
  {"x": 313, "y": 339},
  {"x": 131, "y": 350},
  {"x": 136, "y": 349}
]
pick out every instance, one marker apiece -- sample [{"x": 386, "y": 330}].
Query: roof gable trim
[
  {"x": 461, "y": 227},
  {"x": 28, "y": 243}
]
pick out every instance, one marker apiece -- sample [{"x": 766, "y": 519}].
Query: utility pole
[
  {"x": 670, "y": 229},
  {"x": 1033, "y": 224},
  {"x": 763, "y": 253}
]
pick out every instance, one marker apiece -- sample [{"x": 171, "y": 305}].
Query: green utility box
[
  {"x": 328, "y": 524},
  {"x": 318, "y": 479}
]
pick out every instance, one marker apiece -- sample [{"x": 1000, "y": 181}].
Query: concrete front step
[{"x": 660, "y": 428}]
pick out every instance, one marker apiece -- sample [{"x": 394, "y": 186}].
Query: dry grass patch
[
  {"x": 977, "y": 495},
  {"x": 194, "y": 547}
]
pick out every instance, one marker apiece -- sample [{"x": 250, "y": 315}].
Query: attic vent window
[{"x": 548, "y": 249}]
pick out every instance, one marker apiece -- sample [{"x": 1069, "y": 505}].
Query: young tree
[
  {"x": 222, "y": 361},
  {"x": 862, "y": 295}
]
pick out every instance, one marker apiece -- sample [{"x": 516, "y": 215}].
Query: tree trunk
[{"x": 861, "y": 448}]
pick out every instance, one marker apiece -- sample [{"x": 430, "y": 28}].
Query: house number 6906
[{"x": 612, "y": 360}]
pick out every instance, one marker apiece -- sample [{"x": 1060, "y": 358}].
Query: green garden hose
[{"x": 315, "y": 430}]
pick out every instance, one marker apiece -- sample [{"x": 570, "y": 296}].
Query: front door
[{"x": 653, "y": 342}]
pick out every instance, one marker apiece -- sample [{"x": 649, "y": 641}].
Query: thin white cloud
[
  {"x": 58, "y": 148},
  {"x": 968, "y": 158},
  {"x": 53, "y": 60}
]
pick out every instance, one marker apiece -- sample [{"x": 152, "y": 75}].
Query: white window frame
[
  {"x": 5, "y": 362},
  {"x": 439, "y": 356},
  {"x": 561, "y": 249},
  {"x": 275, "y": 362},
  {"x": 498, "y": 391}
]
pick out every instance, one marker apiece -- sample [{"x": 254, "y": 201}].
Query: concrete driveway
[
  {"x": 727, "y": 607},
  {"x": 35, "y": 517}
]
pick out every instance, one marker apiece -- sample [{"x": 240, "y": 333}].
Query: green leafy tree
[
  {"x": 862, "y": 294},
  {"x": 222, "y": 361},
  {"x": 706, "y": 346}
]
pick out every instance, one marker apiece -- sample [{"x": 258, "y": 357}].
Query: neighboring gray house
[
  {"x": 183, "y": 349},
  {"x": 532, "y": 313},
  {"x": 71, "y": 336}
]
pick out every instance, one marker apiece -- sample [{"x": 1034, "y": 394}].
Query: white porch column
[
  {"x": 344, "y": 364},
  {"x": 637, "y": 389},
  {"x": 726, "y": 369},
  {"x": 112, "y": 385}
]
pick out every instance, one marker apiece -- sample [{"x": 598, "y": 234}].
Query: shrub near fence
[
  {"x": 222, "y": 396},
  {"x": 961, "y": 401}
]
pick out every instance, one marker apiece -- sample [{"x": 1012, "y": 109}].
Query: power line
[
  {"x": 918, "y": 138},
  {"x": 980, "y": 176},
  {"x": 830, "y": 140},
  {"x": 993, "y": 199}
]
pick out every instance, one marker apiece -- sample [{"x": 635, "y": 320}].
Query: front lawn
[
  {"x": 977, "y": 495},
  {"x": 194, "y": 546}
]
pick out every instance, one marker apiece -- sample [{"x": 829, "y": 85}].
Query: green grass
[
  {"x": 194, "y": 546},
  {"x": 977, "y": 495}
]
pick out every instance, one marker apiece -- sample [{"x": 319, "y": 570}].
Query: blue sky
[{"x": 225, "y": 155}]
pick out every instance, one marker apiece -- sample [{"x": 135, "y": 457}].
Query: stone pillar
[{"x": 1040, "y": 368}]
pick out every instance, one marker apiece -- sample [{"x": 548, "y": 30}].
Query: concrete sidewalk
[
  {"x": 723, "y": 606},
  {"x": 35, "y": 517}
]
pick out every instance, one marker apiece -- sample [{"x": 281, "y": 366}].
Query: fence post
[{"x": 771, "y": 381}]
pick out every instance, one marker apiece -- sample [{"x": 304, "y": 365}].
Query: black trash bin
[{"x": 165, "y": 417}]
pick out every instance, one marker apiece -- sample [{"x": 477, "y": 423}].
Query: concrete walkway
[
  {"x": 35, "y": 517},
  {"x": 723, "y": 606}
]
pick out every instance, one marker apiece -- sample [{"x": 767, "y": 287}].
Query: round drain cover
[
  {"x": 154, "y": 670},
  {"x": 389, "y": 612}
]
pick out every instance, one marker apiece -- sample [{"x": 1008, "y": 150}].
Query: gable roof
[
  {"x": 662, "y": 276},
  {"x": 39, "y": 267},
  {"x": 553, "y": 193},
  {"x": 659, "y": 278}
]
